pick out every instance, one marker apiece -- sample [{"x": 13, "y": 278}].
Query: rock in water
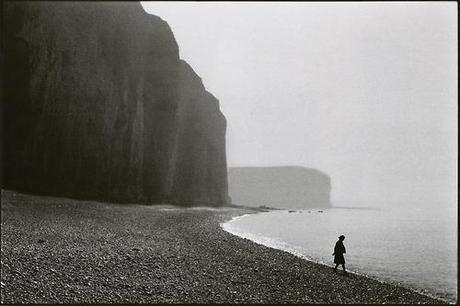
[{"x": 98, "y": 105}]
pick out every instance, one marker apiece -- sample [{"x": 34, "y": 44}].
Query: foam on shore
[{"x": 229, "y": 227}]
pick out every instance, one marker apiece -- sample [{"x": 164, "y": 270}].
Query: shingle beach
[{"x": 59, "y": 250}]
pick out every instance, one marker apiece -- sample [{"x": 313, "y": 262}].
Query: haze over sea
[{"x": 412, "y": 244}]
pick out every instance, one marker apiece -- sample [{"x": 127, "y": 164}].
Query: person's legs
[
  {"x": 336, "y": 265},
  {"x": 343, "y": 267}
]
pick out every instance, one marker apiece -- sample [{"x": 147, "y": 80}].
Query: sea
[{"x": 414, "y": 246}]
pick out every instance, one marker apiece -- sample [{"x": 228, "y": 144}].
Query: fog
[{"x": 365, "y": 92}]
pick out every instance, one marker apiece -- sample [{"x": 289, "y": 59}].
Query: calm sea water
[{"x": 414, "y": 246}]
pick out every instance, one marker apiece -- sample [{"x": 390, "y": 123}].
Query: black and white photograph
[{"x": 207, "y": 152}]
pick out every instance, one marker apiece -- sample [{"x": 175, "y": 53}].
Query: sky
[{"x": 363, "y": 91}]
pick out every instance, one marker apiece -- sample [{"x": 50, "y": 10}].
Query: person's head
[{"x": 342, "y": 237}]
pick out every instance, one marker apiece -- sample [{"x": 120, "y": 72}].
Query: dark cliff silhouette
[
  {"x": 279, "y": 187},
  {"x": 98, "y": 105}
]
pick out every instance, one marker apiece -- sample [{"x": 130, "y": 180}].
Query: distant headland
[{"x": 279, "y": 187}]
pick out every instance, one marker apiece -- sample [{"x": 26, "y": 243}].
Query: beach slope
[{"x": 59, "y": 250}]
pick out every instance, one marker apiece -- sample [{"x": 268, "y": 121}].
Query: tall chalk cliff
[{"x": 97, "y": 104}]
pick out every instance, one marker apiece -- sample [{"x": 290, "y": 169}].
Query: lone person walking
[{"x": 339, "y": 250}]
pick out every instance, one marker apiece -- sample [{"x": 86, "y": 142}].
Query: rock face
[
  {"x": 279, "y": 187},
  {"x": 98, "y": 105}
]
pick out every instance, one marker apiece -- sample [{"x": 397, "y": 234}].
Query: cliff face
[
  {"x": 98, "y": 105},
  {"x": 279, "y": 187}
]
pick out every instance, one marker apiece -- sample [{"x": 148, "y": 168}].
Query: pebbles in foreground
[{"x": 59, "y": 250}]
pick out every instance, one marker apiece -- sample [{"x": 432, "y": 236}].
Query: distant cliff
[
  {"x": 98, "y": 105},
  {"x": 279, "y": 187}
]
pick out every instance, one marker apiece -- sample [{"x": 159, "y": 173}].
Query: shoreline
[
  {"x": 277, "y": 246},
  {"x": 59, "y": 250}
]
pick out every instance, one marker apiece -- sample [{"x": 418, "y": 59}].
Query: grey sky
[{"x": 366, "y": 92}]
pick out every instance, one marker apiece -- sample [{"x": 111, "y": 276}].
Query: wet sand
[{"x": 59, "y": 250}]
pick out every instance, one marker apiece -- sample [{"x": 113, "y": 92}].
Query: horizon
[
  {"x": 337, "y": 119},
  {"x": 364, "y": 92}
]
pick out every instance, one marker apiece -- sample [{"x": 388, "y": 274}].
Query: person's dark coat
[{"x": 339, "y": 250}]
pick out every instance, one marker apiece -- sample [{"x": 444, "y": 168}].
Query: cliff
[
  {"x": 98, "y": 105},
  {"x": 279, "y": 187}
]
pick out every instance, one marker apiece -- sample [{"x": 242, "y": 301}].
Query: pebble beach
[{"x": 60, "y": 250}]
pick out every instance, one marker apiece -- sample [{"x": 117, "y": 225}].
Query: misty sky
[{"x": 365, "y": 92}]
